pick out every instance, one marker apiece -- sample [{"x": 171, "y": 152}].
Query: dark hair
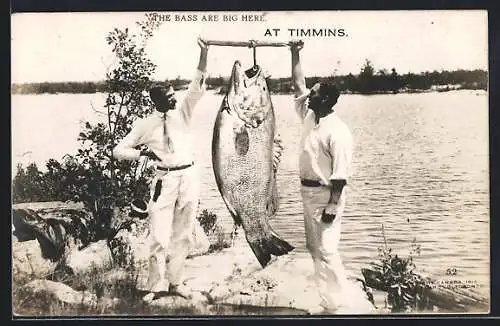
[
  {"x": 157, "y": 90},
  {"x": 329, "y": 90}
]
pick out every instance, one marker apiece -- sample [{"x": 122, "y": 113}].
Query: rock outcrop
[
  {"x": 231, "y": 276},
  {"x": 66, "y": 294},
  {"x": 27, "y": 260}
]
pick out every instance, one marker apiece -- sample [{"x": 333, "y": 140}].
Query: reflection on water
[{"x": 420, "y": 169}]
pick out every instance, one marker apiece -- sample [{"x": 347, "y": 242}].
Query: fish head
[{"x": 248, "y": 95}]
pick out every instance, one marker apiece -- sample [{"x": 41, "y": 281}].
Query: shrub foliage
[{"x": 92, "y": 175}]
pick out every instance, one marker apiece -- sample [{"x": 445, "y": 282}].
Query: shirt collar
[
  {"x": 160, "y": 114},
  {"x": 316, "y": 125}
]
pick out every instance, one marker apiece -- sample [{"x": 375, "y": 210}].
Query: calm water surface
[{"x": 420, "y": 170}]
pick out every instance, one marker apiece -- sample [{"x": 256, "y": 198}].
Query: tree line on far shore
[{"x": 368, "y": 81}]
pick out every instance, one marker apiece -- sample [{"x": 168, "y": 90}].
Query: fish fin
[
  {"x": 225, "y": 105},
  {"x": 273, "y": 202},
  {"x": 273, "y": 245},
  {"x": 236, "y": 217},
  {"x": 260, "y": 252}
]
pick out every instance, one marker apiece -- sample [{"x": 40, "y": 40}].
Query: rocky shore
[{"x": 230, "y": 278}]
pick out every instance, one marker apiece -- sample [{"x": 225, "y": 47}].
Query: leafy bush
[
  {"x": 207, "y": 221},
  {"x": 32, "y": 185},
  {"x": 102, "y": 181},
  {"x": 92, "y": 176},
  {"x": 218, "y": 238},
  {"x": 405, "y": 289}
]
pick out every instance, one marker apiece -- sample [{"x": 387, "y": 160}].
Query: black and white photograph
[{"x": 250, "y": 163}]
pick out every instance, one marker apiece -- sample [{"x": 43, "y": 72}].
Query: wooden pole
[{"x": 247, "y": 43}]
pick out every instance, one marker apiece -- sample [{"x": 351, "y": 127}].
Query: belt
[
  {"x": 310, "y": 183},
  {"x": 175, "y": 168}
]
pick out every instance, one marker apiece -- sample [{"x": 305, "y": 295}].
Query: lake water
[{"x": 420, "y": 169}]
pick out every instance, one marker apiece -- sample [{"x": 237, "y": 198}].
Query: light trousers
[
  {"x": 172, "y": 210},
  {"x": 322, "y": 241}
]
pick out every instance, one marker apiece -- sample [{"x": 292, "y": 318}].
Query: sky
[{"x": 72, "y": 47}]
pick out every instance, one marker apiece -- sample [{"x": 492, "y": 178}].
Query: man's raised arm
[
  {"x": 298, "y": 79},
  {"x": 197, "y": 86},
  {"x": 202, "y": 64}
]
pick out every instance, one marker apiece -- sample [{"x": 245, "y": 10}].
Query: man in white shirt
[
  {"x": 176, "y": 186},
  {"x": 325, "y": 168}
]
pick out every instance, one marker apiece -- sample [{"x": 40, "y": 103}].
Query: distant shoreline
[
  {"x": 366, "y": 82},
  {"x": 221, "y": 91}
]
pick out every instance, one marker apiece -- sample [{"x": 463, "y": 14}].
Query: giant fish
[{"x": 242, "y": 159}]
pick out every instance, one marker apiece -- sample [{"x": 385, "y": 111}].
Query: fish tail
[{"x": 273, "y": 245}]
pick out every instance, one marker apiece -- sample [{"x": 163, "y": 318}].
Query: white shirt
[
  {"x": 149, "y": 131},
  {"x": 325, "y": 148}
]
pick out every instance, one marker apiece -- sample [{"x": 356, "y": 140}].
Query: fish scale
[
  {"x": 257, "y": 189},
  {"x": 242, "y": 160}
]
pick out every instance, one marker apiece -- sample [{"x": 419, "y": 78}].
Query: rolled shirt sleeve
[
  {"x": 301, "y": 104},
  {"x": 341, "y": 153},
  {"x": 194, "y": 93},
  {"x": 125, "y": 150}
]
